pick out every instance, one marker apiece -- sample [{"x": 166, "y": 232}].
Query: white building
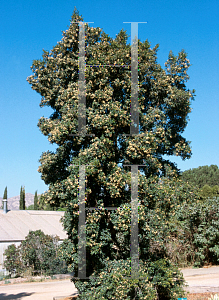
[{"x": 16, "y": 224}]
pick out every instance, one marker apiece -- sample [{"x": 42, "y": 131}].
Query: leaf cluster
[{"x": 157, "y": 280}]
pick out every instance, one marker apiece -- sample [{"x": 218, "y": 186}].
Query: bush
[
  {"x": 38, "y": 253},
  {"x": 157, "y": 280},
  {"x": 12, "y": 262},
  {"x": 199, "y": 226}
]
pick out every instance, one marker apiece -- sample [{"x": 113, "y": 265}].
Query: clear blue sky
[{"x": 27, "y": 27}]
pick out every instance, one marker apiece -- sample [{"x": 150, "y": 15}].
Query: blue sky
[{"x": 27, "y": 27}]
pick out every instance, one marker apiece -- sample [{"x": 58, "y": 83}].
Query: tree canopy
[{"x": 164, "y": 105}]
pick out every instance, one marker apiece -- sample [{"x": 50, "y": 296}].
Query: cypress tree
[
  {"x": 35, "y": 201},
  {"x": 5, "y": 196},
  {"x": 22, "y": 198}
]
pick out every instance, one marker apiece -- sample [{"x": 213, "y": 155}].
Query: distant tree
[
  {"x": 35, "y": 201},
  {"x": 5, "y": 196},
  {"x": 209, "y": 192},
  {"x": 215, "y": 190},
  {"x": 205, "y": 175},
  {"x": 206, "y": 191},
  {"x": 31, "y": 207},
  {"x": 22, "y": 198}
]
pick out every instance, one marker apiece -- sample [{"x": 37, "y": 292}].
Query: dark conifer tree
[
  {"x": 22, "y": 198},
  {"x": 5, "y": 196},
  {"x": 35, "y": 201}
]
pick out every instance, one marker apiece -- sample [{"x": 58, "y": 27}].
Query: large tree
[{"x": 164, "y": 105}]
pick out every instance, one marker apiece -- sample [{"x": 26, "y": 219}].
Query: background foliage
[
  {"x": 199, "y": 228},
  {"x": 206, "y": 178},
  {"x": 38, "y": 253},
  {"x": 205, "y": 175}
]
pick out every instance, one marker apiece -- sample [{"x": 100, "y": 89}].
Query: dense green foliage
[
  {"x": 205, "y": 175},
  {"x": 43, "y": 205},
  {"x": 114, "y": 282},
  {"x": 22, "y": 198},
  {"x": 38, "y": 253},
  {"x": 206, "y": 178},
  {"x": 208, "y": 192},
  {"x": 30, "y": 207},
  {"x": 12, "y": 260},
  {"x": 164, "y": 104},
  {"x": 198, "y": 230},
  {"x": 5, "y": 196}
]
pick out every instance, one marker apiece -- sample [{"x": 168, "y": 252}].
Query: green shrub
[
  {"x": 12, "y": 261},
  {"x": 37, "y": 249},
  {"x": 157, "y": 280},
  {"x": 200, "y": 226},
  {"x": 38, "y": 253}
]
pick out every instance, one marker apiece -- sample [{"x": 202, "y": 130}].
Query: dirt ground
[
  {"x": 51, "y": 290},
  {"x": 199, "y": 296}
]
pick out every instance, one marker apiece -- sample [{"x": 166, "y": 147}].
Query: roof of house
[{"x": 16, "y": 224}]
